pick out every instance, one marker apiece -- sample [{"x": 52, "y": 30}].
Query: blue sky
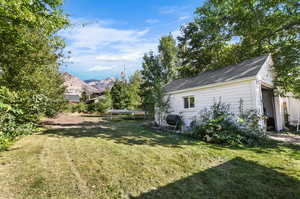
[{"x": 107, "y": 35}]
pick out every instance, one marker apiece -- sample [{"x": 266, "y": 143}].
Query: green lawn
[{"x": 102, "y": 159}]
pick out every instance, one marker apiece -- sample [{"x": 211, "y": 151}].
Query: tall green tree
[
  {"x": 31, "y": 51},
  {"x": 120, "y": 95},
  {"x": 127, "y": 94},
  {"x": 151, "y": 75},
  {"x": 158, "y": 70},
  {"x": 135, "y": 82},
  {"x": 228, "y": 32},
  {"x": 168, "y": 57}
]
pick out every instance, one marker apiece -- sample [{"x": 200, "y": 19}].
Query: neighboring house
[
  {"x": 73, "y": 99},
  {"x": 251, "y": 81},
  {"x": 75, "y": 87}
]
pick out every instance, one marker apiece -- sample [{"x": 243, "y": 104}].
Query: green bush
[
  {"x": 81, "y": 107},
  {"x": 77, "y": 108},
  {"x": 104, "y": 104},
  {"x": 14, "y": 120},
  {"x": 217, "y": 125},
  {"x": 91, "y": 108}
]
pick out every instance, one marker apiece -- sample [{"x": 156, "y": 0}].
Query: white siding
[
  {"x": 293, "y": 110},
  {"x": 230, "y": 93}
]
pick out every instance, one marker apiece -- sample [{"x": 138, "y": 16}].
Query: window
[
  {"x": 186, "y": 102},
  {"x": 192, "y": 102},
  {"x": 189, "y": 102}
]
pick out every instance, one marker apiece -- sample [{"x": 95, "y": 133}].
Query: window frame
[{"x": 187, "y": 104}]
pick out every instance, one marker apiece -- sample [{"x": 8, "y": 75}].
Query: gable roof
[{"x": 248, "y": 68}]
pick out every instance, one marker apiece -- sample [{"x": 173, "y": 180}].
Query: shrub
[
  {"x": 14, "y": 120},
  {"x": 78, "y": 108},
  {"x": 81, "y": 107},
  {"x": 218, "y": 125},
  {"x": 92, "y": 107},
  {"x": 104, "y": 103}
]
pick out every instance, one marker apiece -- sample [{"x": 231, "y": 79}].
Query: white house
[{"x": 251, "y": 81}]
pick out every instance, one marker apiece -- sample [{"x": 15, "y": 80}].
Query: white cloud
[
  {"x": 100, "y": 68},
  {"x": 119, "y": 57},
  {"x": 96, "y": 47},
  {"x": 95, "y": 35},
  {"x": 169, "y": 9},
  {"x": 183, "y": 18},
  {"x": 83, "y": 22},
  {"x": 177, "y": 10},
  {"x": 152, "y": 21}
]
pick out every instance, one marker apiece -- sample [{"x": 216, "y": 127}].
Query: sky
[{"x": 107, "y": 36}]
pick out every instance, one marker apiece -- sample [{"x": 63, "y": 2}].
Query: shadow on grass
[
  {"x": 90, "y": 115},
  {"x": 134, "y": 133},
  {"x": 270, "y": 146},
  {"x": 122, "y": 132},
  {"x": 237, "y": 178},
  {"x": 82, "y": 124}
]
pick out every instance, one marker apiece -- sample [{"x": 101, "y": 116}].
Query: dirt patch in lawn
[{"x": 73, "y": 120}]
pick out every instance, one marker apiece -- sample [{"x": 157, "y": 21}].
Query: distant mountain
[
  {"x": 90, "y": 80},
  {"x": 75, "y": 86},
  {"x": 102, "y": 85}
]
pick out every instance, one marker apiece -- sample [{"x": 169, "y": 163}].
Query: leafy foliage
[
  {"x": 30, "y": 50},
  {"x": 30, "y": 56},
  {"x": 120, "y": 95},
  {"x": 104, "y": 104},
  {"x": 158, "y": 70},
  {"x": 168, "y": 57},
  {"x": 14, "y": 120},
  {"x": 216, "y": 124},
  {"x": 127, "y": 94},
  {"x": 244, "y": 29},
  {"x": 135, "y": 90},
  {"x": 84, "y": 97}
]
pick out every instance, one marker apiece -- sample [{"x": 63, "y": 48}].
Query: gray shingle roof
[
  {"x": 73, "y": 98},
  {"x": 244, "y": 69}
]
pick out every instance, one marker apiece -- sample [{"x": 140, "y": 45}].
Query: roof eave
[{"x": 213, "y": 85}]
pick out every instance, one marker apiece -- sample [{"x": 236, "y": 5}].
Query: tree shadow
[
  {"x": 121, "y": 132},
  {"x": 68, "y": 125},
  {"x": 237, "y": 178},
  {"x": 90, "y": 115},
  {"x": 134, "y": 133},
  {"x": 269, "y": 146}
]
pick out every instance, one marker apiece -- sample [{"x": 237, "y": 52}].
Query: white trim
[{"x": 213, "y": 85}]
